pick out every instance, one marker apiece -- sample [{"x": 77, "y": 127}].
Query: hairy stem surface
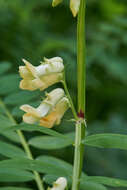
[{"x": 25, "y": 146}]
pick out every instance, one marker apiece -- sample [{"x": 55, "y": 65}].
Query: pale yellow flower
[
  {"x": 56, "y": 2},
  {"x": 41, "y": 77},
  {"x": 50, "y": 111},
  {"x": 74, "y": 6},
  {"x": 54, "y": 118},
  {"x": 59, "y": 184}
]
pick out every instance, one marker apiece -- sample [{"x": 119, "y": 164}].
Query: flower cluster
[
  {"x": 53, "y": 107},
  {"x": 74, "y": 5}
]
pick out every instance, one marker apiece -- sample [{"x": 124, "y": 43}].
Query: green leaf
[
  {"x": 12, "y": 136},
  {"x": 108, "y": 181},
  {"x": 14, "y": 188},
  {"x": 28, "y": 127},
  {"x": 4, "y": 67},
  {"x": 107, "y": 140},
  {"x": 22, "y": 163},
  {"x": 91, "y": 185},
  {"x": 48, "y": 165},
  {"x": 11, "y": 151},
  {"x": 44, "y": 164},
  {"x": 20, "y": 97},
  {"x": 4, "y": 124},
  {"x": 48, "y": 142},
  {"x": 56, "y": 166},
  {"x": 16, "y": 112},
  {"x": 49, "y": 179},
  {"x": 14, "y": 175},
  {"x": 9, "y": 83}
]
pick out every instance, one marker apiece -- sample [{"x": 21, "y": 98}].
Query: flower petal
[
  {"x": 49, "y": 68},
  {"x": 24, "y": 73},
  {"x": 30, "y": 68},
  {"x": 54, "y": 96},
  {"x": 43, "y": 109},
  {"x": 54, "y": 118},
  {"x": 60, "y": 184},
  {"x": 74, "y": 6},
  {"x": 39, "y": 112},
  {"x": 61, "y": 108},
  {"x": 29, "y": 109},
  {"x": 28, "y": 118},
  {"x": 54, "y": 59},
  {"x": 49, "y": 121},
  {"x": 51, "y": 79},
  {"x": 56, "y": 2},
  {"x": 31, "y": 84}
]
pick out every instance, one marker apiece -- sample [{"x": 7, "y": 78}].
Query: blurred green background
[{"x": 33, "y": 29}]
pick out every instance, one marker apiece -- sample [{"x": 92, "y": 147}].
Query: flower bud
[
  {"x": 56, "y": 2},
  {"x": 74, "y": 6},
  {"x": 50, "y": 111},
  {"x": 60, "y": 184},
  {"x": 42, "y": 76}
]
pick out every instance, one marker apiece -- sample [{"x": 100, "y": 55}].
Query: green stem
[
  {"x": 78, "y": 157},
  {"x": 80, "y": 126},
  {"x": 81, "y": 61},
  {"x": 69, "y": 97},
  {"x": 25, "y": 146}
]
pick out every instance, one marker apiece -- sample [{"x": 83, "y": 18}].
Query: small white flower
[
  {"x": 56, "y": 2},
  {"x": 50, "y": 111},
  {"x": 74, "y": 6},
  {"x": 60, "y": 184},
  {"x": 42, "y": 76}
]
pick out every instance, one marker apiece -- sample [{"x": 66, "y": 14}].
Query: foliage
[{"x": 32, "y": 30}]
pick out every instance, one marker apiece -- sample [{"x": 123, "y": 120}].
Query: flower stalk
[
  {"x": 69, "y": 97},
  {"x": 80, "y": 125}
]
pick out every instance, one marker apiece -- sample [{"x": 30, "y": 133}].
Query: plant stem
[
  {"x": 81, "y": 61},
  {"x": 69, "y": 97},
  {"x": 77, "y": 157},
  {"x": 25, "y": 146},
  {"x": 80, "y": 126}
]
